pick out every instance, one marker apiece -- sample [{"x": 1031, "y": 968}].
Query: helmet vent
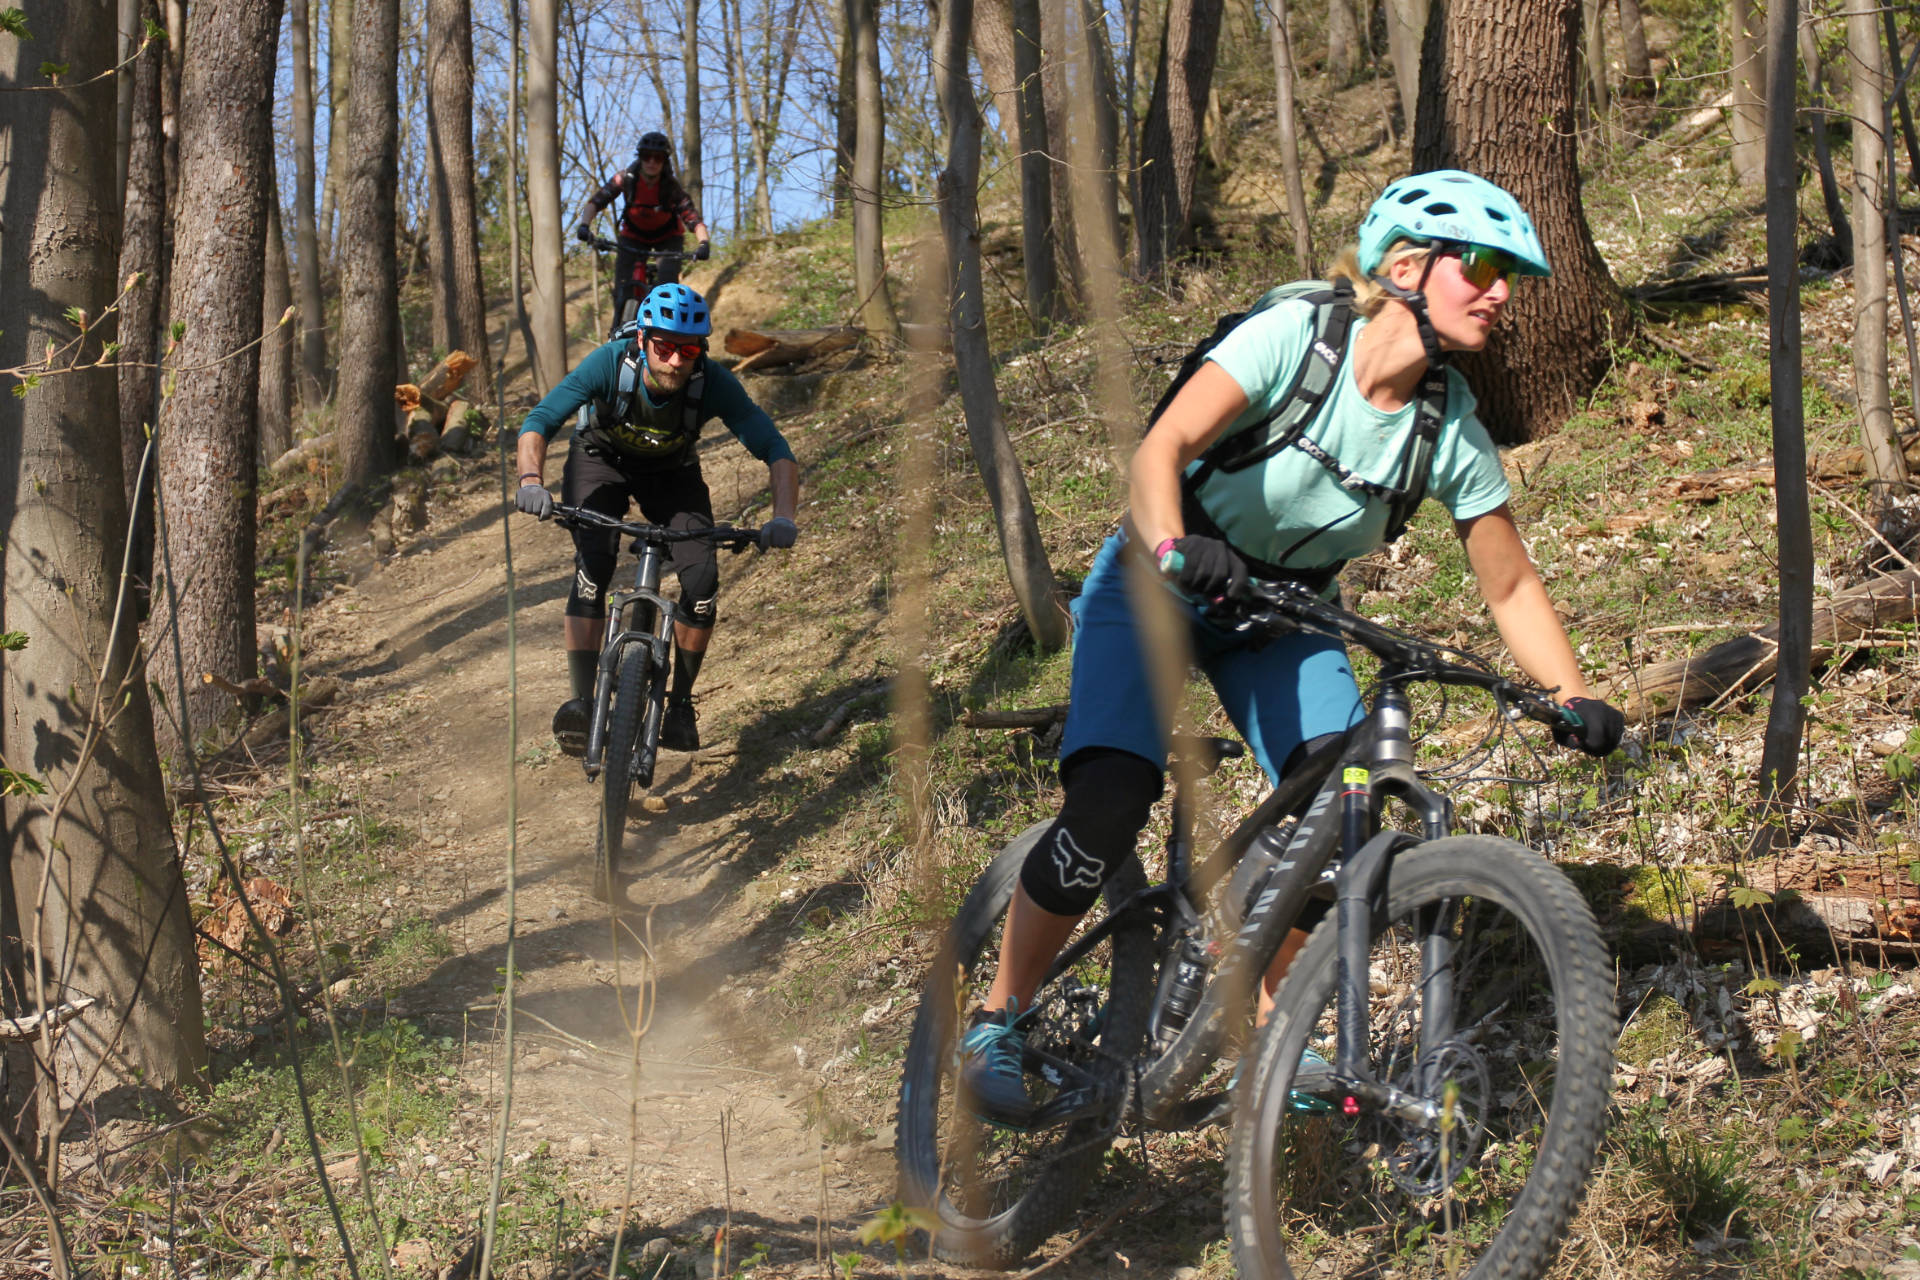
[{"x": 1440, "y": 209}]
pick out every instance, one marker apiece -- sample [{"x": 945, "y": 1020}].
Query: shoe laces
[{"x": 998, "y": 1043}]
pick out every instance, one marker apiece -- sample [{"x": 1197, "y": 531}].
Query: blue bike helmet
[
  {"x": 675, "y": 309},
  {"x": 1455, "y": 206}
]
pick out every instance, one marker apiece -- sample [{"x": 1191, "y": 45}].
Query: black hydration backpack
[{"x": 1286, "y": 427}]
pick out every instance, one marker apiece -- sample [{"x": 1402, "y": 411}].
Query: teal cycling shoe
[{"x": 992, "y": 1082}]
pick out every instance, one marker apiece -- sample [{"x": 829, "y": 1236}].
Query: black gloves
[
  {"x": 704, "y": 252},
  {"x": 1205, "y": 567},
  {"x": 1600, "y": 731},
  {"x": 778, "y": 532},
  {"x": 583, "y": 233},
  {"x": 534, "y": 500}
]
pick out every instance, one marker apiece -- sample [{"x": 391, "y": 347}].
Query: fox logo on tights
[{"x": 1076, "y": 866}]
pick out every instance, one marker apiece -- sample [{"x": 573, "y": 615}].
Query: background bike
[
  {"x": 630, "y": 692},
  {"x": 1455, "y": 995},
  {"x": 645, "y": 275}
]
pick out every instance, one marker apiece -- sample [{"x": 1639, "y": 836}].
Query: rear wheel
[
  {"x": 1517, "y": 1079},
  {"x": 616, "y": 770},
  {"x": 997, "y": 1192}
]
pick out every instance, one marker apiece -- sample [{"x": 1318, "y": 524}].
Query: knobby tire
[
  {"x": 998, "y": 1194},
  {"x": 616, "y": 773},
  {"x": 1523, "y": 1083}
]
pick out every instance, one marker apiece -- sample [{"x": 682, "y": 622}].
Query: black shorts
[{"x": 677, "y": 498}]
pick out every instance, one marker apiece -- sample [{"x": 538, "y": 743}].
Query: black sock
[
  {"x": 583, "y": 667},
  {"x": 686, "y": 669}
]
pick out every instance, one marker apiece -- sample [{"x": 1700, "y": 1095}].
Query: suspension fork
[{"x": 619, "y": 633}]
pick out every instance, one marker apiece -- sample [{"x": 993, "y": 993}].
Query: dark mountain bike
[
  {"x": 1428, "y": 1094},
  {"x": 646, "y": 274},
  {"x": 630, "y": 693}
]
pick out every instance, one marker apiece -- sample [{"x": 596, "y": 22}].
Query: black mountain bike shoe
[
  {"x": 991, "y": 1083},
  {"x": 678, "y": 730},
  {"x": 570, "y": 726}
]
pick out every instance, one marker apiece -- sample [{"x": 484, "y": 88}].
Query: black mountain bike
[
  {"x": 646, "y": 274},
  {"x": 1428, "y": 1094},
  {"x": 630, "y": 692}
]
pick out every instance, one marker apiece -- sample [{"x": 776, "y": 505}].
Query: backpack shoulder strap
[
  {"x": 1313, "y": 380},
  {"x": 690, "y": 407},
  {"x": 1416, "y": 463},
  {"x": 629, "y": 380}
]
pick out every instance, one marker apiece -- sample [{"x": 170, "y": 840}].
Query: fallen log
[
  {"x": 1748, "y": 661},
  {"x": 1022, "y": 718},
  {"x": 34, "y": 1025},
  {"x": 764, "y": 348},
  {"x": 1840, "y": 464},
  {"x": 438, "y": 386},
  {"x": 423, "y": 436},
  {"x": 298, "y": 457}
]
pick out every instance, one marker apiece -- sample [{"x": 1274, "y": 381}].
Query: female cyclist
[{"x": 1438, "y": 257}]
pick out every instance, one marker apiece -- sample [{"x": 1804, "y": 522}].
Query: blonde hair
[{"x": 1368, "y": 297}]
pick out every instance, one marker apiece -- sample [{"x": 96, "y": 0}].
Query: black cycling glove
[
  {"x": 535, "y": 500},
  {"x": 704, "y": 252},
  {"x": 1601, "y": 727},
  {"x": 583, "y": 233},
  {"x": 778, "y": 532},
  {"x": 1206, "y": 567}
]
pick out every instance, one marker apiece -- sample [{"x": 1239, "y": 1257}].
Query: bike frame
[{"x": 651, "y": 625}]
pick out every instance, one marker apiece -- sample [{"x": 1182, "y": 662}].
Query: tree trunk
[
  {"x": 459, "y": 306},
  {"x": 543, "y": 194},
  {"x": 1026, "y": 556},
  {"x": 1059, "y": 81},
  {"x": 993, "y": 23},
  {"x": 690, "y": 174},
  {"x": 1900, "y": 94},
  {"x": 1749, "y": 76},
  {"x": 170, "y": 110},
  {"x": 1822, "y": 151},
  {"x": 339, "y": 94},
  {"x": 845, "y": 133},
  {"x": 276, "y": 348},
  {"x": 1289, "y": 138},
  {"x": 1873, "y": 394},
  {"x": 1593, "y": 22},
  {"x": 132, "y": 33},
  {"x": 1036, "y": 176},
  {"x": 1406, "y": 22},
  {"x": 1633, "y": 48},
  {"x": 312, "y": 321},
  {"x": 1499, "y": 79},
  {"x": 99, "y": 895},
  {"x": 209, "y": 437},
  {"x": 1345, "y": 49},
  {"x": 1093, "y": 68},
  {"x": 1780, "y": 750},
  {"x": 1170, "y": 145},
  {"x": 869, "y": 156},
  {"x": 369, "y": 271},
  {"x": 142, "y": 247}
]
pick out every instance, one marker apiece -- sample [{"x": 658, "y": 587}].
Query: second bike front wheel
[
  {"x": 616, "y": 771},
  {"x": 1489, "y": 997},
  {"x": 997, "y": 1192}
]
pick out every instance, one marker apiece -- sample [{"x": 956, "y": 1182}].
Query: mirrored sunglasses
[
  {"x": 666, "y": 347},
  {"x": 1480, "y": 266}
]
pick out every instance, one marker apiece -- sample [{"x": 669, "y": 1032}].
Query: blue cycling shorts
[{"x": 1289, "y": 689}]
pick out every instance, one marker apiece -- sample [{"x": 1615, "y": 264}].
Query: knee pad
[
  {"x": 699, "y": 592},
  {"x": 1109, "y": 795},
  {"x": 592, "y": 571}
]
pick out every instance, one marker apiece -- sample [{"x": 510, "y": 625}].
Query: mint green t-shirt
[{"x": 1289, "y": 509}]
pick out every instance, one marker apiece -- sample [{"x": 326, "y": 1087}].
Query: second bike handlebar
[
  {"x": 605, "y": 245},
  {"x": 1289, "y": 606},
  {"x": 723, "y": 535}
]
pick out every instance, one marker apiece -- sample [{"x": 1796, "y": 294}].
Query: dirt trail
[{"x": 421, "y": 643}]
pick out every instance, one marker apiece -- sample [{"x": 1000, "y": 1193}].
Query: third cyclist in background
[{"x": 657, "y": 213}]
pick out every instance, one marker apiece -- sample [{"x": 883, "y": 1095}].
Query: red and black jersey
[{"x": 653, "y": 210}]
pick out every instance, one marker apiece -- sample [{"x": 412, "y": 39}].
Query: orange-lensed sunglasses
[
  {"x": 1480, "y": 266},
  {"x": 664, "y": 348}
]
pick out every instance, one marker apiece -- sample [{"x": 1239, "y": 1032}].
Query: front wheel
[
  {"x": 997, "y": 1192},
  {"x": 616, "y": 770},
  {"x": 1490, "y": 999}
]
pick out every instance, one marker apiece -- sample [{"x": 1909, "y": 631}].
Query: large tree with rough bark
[
  {"x": 142, "y": 245},
  {"x": 95, "y": 886},
  {"x": 869, "y": 159},
  {"x": 1170, "y": 140},
  {"x": 209, "y": 442},
  {"x": 369, "y": 280},
  {"x": 459, "y": 306},
  {"x": 1498, "y": 80},
  {"x": 312, "y": 344}
]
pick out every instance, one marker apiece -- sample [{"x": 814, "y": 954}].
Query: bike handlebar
[
  {"x": 1288, "y": 606},
  {"x": 605, "y": 245},
  {"x": 723, "y": 535}
]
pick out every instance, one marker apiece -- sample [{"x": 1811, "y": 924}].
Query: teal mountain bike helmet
[
  {"x": 1453, "y": 206},
  {"x": 675, "y": 309}
]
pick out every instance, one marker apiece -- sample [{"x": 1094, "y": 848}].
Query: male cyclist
[
  {"x": 656, "y": 212},
  {"x": 643, "y": 447}
]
